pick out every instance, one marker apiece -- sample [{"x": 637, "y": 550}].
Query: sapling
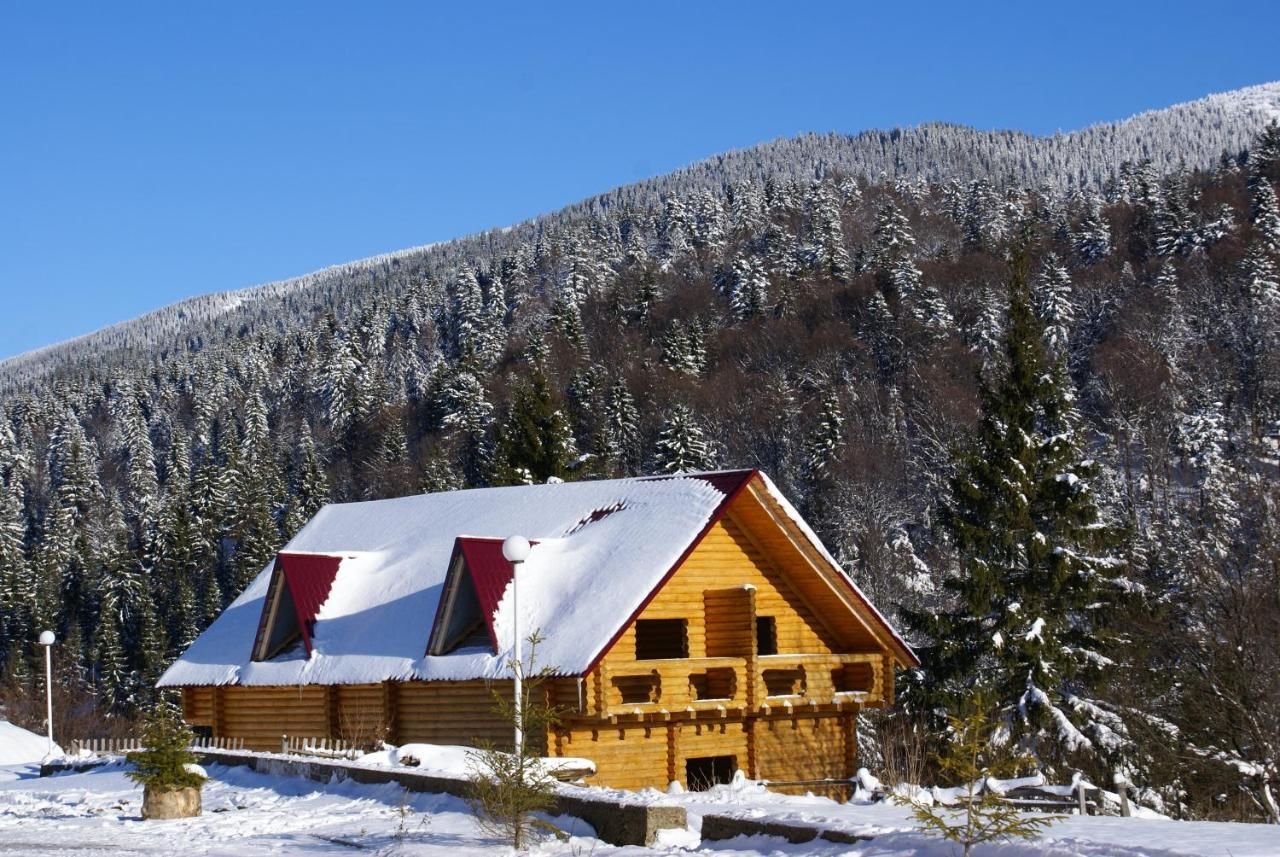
[
  {"x": 507, "y": 788},
  {"x": 970, "y": 759}
]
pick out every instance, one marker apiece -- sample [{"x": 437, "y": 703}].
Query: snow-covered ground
[
  {"x": 20, "y": 747},
  {"x": 251, "y": 814}
]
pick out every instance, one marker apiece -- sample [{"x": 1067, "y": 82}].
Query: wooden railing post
[{"x": 1122, "y": 787}]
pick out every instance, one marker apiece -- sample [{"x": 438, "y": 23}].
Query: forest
[{"x": 1089, "y": 370}]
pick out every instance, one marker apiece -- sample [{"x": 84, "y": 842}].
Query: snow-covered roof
[{"x": 602, "y": 549}]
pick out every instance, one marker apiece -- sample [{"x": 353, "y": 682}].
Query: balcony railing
[{"x": 765, "y": 683}]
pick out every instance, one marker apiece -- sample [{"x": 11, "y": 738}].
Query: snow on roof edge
[{"x": 809, "y": 534}]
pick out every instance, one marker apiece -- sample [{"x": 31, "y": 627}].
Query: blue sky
[{"x": 152, "y": 151}]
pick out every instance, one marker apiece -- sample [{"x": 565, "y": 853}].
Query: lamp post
[
  {"x": 47, "y": 639},
  {"x": 516, "y": 550}
]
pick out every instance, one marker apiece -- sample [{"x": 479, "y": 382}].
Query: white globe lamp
[{"x": 516, "y": 549}]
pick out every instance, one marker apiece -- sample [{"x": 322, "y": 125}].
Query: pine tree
[
  {"x": 682, "y": 447},
  {"x": 683, "y": 349},
  {"x": 974, "y": 756},
  {"x": 16, "y": 583},
  {"x": 1027, "y": 624},
  {"x": 466, "y": 416},
  {"x": 1092, "y": 237},
  {"x": 166, "y": 763},
  {"x": 828, "y": 233},
  {"x": 826, "y": 438},
  {"x": 622, "y": 425},
  {"x": 312, "y": 490},
  {"x": 113, "y": 674},
  {"x": 535, "y": 443},
  {"x": 750, "y": 292},
  {"x": 893, "y": 238},
  {"x": 1265, "y": 216},
  {"x": 1053, "y": 306},
  {"x": 1264, "y": 155}
]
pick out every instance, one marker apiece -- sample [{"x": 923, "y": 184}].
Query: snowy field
[{"x": 249, "y": 814}]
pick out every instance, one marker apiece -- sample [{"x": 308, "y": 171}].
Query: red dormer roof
[
  {"x": 309, "y": 578},
  {"x": 490, "y": 573}
]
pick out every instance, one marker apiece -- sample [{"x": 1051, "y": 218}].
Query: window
[
  {"x": 715, "y": 683},
  {"x": 706, "y": 771},
  {"x": 658, "y": 639},
  {"x": 852, "y": 678},
  {"x": 766, "y": 635},
  {"x": 638, "y": 689},
  {"x": 788, "y": 682}
]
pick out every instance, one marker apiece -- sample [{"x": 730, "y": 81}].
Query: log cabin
[{"x": 691, "y": 626}]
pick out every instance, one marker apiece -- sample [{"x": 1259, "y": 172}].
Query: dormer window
[
  {"x": 300, "y": 584},
  {"x": 478, "y": 576}
]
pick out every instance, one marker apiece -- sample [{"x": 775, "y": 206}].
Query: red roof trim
[
  {"x": 490, "y": 573},
  {"x": 309, "y": 578},
  {"x": 734, "y": 481}
]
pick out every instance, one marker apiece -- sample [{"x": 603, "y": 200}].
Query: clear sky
[{"x": 152, "y": 151}]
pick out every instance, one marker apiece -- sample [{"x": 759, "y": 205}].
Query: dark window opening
[
  {"x": 784, "y": 682},
  {"x": 702, "y": 773},
  {"x": 283, "y": 633},
  {"x": 638, "y": 689},
  {"x": 766, "y": 635},
  {"x": 462, "y": 622},
  {"x": 852, "y": 678},
  {"x": 715, "y": 683},
  {"x": 659, "y": 639}
]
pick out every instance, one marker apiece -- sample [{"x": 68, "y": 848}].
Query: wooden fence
[
  {"x": 120, "y": 746},
  {"x": 326, "y": 748}
]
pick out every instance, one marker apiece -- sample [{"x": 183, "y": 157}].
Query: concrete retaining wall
[
  {"x": 717, "y": 827},
  {"x": 616, "y": 822}
]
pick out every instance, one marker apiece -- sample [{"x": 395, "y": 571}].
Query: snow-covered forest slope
[
  {"x": 840, "y": 312},
  {"x": 1195, "y": 135}
]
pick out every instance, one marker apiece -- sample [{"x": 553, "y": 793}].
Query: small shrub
[
  {"x": 163, "y": 764},
  {"x": 969, "y": 760}
]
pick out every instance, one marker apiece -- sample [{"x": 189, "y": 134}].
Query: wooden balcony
[{"x": 680, "y": 687}]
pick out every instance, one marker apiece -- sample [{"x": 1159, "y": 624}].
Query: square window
[{"x": 659, "y": 639}]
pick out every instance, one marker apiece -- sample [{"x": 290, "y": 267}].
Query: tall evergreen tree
[
  {"x": 535, "y": 443},
  {"x": 682, "y": 447},
  {"x": 1027, "y": 623},
  {"x": 1264, "y": 214}
]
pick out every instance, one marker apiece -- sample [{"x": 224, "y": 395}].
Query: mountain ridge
[{"x": 933, "y": 151}]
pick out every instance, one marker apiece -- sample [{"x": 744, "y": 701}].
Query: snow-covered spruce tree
[
  {"x": 1027, "y": 620},
  {"x": 825, "y": 440},
  {"x": 1091, "y": 238},
  {"x": 535, "y": 442},
  {"x": 750, "y": 292},
  {"x": 681, "y": 446},
  {"x": 1264, "y": 214},
  {"x": 1264, "y": 155},
  {"x": 622, "y": 426},
  {"x": 1053, "y": 306}
]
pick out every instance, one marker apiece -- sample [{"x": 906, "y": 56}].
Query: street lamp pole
[
  {"x": 47, "y": 640},
  {"x": 516, "y": 550}
]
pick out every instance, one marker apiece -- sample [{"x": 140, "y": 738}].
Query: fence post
[
  {"x": 1122, "y": 786},
  {"x": 284, "y": 743}
]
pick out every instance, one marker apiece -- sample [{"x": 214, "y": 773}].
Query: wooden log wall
[
  {"x": 699, "y": 592},
  {"x": 397, "y": 712},
  {"x": 805, "y": 748}
]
